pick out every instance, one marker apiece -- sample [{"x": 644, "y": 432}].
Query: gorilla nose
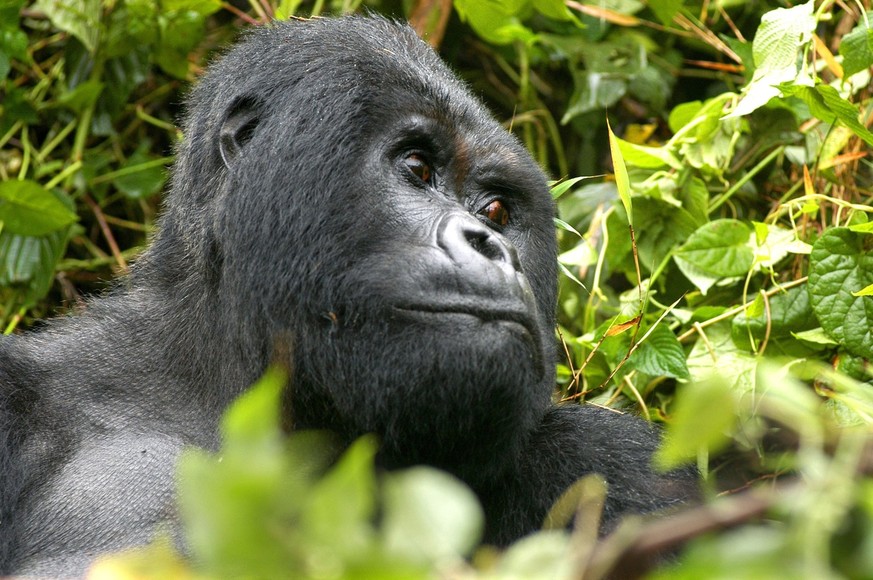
[{"x": 470, "y": 242}]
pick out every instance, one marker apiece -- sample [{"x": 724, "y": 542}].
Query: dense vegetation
[{"x": 717, "y": 272}]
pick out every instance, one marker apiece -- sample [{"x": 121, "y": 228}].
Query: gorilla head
[{"x": 340, "y": 188}]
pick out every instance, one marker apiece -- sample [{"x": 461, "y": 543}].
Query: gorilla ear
[{"x": 239, "y": 127}]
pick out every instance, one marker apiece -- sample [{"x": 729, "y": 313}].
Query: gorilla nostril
[
  {"x": 487, "y": 244},
  {"x": 466, "y": 240}
]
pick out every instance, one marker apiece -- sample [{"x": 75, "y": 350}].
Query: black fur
[{"x": 298, "y": 214}]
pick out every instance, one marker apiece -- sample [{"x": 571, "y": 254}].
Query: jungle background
[{"x": 713, "y": 178}]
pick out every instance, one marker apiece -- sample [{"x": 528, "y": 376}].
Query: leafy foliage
[{"x": 718, "y": 278}]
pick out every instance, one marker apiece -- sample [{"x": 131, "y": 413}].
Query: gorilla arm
[{"x": 573, "y": 441}]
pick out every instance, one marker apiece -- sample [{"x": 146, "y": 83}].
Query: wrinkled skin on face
[{"x": 339, "y": 197}]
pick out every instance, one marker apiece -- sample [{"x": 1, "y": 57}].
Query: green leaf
[
  {"x": 622, "y": 182},
  {"x": 717, "y": 250},
  {"x": 254, "y": 416},
  {"x": 538, "y": 557},
  {"x": 660, "y": 227},
  {"x": 856, "y": 47},
  {"x": 13, "y": 41},
  {"x": 140, "y": 178},
  {"x": 718, "y": 356},
  {"x": 683, "y": 114},
  {"x": 82, "y": 97},
  {"x": 341, "y": 505},
  {"x": 660, "y": 354},
  {"x": 665, "y": 10},
  {"x": 29, "y": 209},
  {"x": 841, "y": 264},
  {"x": 559, "y": 188},
  {"x": 815, "y": 336},
  {"x": 593, "y": 91},
  {"x": 201, "y": 7},
  {"x": 496, "y": 21},
  {"x": 704, "y": 414},
  {"x": 81, "y": 18},
  {"x": 29, "y": 262},
  {"x": 430, "y": 516},
  {"x": 826, "y": 104},
  {"x": 789, "y": 312},
  {"x": 783, "y": 35},
  {"x": 647, "y": 157},
  {"x": 556, "y": 9},
  {"x": 181, "y": 31}
]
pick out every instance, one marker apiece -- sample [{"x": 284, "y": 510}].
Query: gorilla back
[{"x": 339, "y": 191}]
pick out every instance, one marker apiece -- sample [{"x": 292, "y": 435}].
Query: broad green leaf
[
  {"x": 840, "y": 264},
  {"x": 254, "y": 417},
  {"x": 593, "y": 91},
  {"x": 430, "y": 516},
  {"x": 661, "y": 354},
  {"x": 341, "y": 504},
  {"x": 201, "y": 7},
  {"x": 81, "y": 18},
  {"x": 180, "y": 33},
  {"x": 660, "y": 227},
  {"x": 782, "y": 397},
  {"x": 718, "y": 356},
  {"x": 622, "y": 182},
  {"x": 541, "y": 556},
  {"x": 826, "y": 104},
  {"x": 665, "y": 10},
  {"x": 694, "y": 196},
  {"x": 82, "y": 97},
  {"x": 783, "y": 35},
  {"x": 647, "y": 157},
  {"x": 581, "y": 255},
  {"x": 717, "y": 250},
  {"x": 704, "y": 414},
  {"x": 497, "y": 21},
  {"x": 815, "y": 336},
  {"x": 13, "y": 41},
  {"x": 683, "y": 114},
  {"x": 789, "y": 312},
  {"x": 141, "y": 178},
  {"x": 29, "y": 262},
  {"x": 856, "y": 47},
  {"x": 29, "y": 209},
  {"x": 772, "y": 244},
  {"x": 556, "y": 9},
  {"x": 751, "y": 552}
]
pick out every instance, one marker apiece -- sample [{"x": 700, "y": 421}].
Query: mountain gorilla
[{"x": 339, "y": 190}]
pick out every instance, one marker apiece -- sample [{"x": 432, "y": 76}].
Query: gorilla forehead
[{"x": 332, "y": 73}]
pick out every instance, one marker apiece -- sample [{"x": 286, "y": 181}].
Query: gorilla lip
[{"x": 514, "y": 315}]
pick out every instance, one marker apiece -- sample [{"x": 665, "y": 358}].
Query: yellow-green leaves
[{"x": 840, "y": 265}]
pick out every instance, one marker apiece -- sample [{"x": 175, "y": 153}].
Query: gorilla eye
[
  {"x": 419, "y": 166},
  {"x": 496, "y": 212}
]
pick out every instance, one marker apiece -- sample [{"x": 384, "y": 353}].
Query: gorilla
[{"x": 340, "y": 191}]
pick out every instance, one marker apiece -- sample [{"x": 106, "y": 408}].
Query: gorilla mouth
[{"x": 497, "y": 313}]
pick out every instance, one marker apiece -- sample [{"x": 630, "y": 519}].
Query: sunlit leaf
[
  {"x": 841, "y": 263},
  {"x": 29, "y": 209}
]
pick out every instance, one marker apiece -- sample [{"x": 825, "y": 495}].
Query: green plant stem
[
  {"x": 132, "y": 169},
  {"x": 720, "y": 200}
]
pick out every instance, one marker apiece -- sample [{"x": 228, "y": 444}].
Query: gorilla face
[{"x": 392, "y": 229}]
